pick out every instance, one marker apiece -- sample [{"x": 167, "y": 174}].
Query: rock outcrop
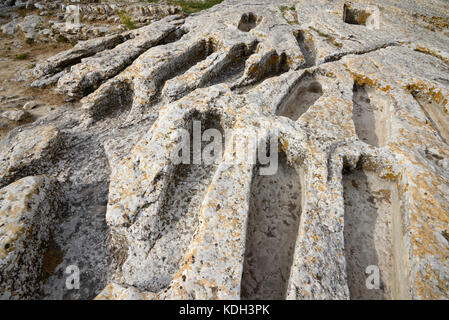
[
  {"x": 353, "y": 95},
  {"x": 72, "y": 21},
  {"x": 29, "y": 209},
  {"x": 26, "y": 152}
]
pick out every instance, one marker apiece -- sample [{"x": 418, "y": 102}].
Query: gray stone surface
[
  {"x": 15, "y": 115},
  {"x": 30, "y": 105},
  {"x": 30, "y": 26},
  {"x": 87, "y": 75},
  {"x": 26, "y": 151},
  {"x": 79, "y": 20},
  {"x": 358, "y": 93},
  {"x": 10, "y": 27},
  {"x": 28, "y": 212}
]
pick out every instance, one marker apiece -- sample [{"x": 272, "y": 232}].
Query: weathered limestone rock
[
  {"x": 28, "y": 151},
  {"x": 86, "y": 19},
  {"x": 10, "y": 27},
  {"x": 15, "y": 115},
  {"x": 28, "y": 212},
  {"x": 30, "y": 26},
  {"x": 81, "y": 50},
  {"x": 210, "y": 52},
  {"x": 84, "y": 77},
  {"x": 355, "y": 97},
  {"x": 30, "y": 105}
]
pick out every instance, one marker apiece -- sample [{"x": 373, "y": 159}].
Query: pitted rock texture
[
  {"x": 29, "y": 209},
  {"x": 354, "y": 94},
  {"x": 27, "y": 151}
]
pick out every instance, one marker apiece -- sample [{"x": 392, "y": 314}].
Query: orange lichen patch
[
  {"x": 426, "y": 292},
  {"x": 383, "y": 195},
  {"x": 365, "y": 80},
  {"x": 436, "y": 94},
  {"x": 254, "y": 70},
  {"x": 107, "y": 293},
  {"x": 427, "y": 217},
  {"x": 292, "y": 60},
  {"x": 432, "y": 53},
  {"x": 284, "y": 144},
  {"x": 440, "y": 23},
  {"x": 314, "y": 237},
  {"x": 117, "y": 292},
  {"x": 363, "y": 16},
  {"x": 390, "y": 176},
  {"x": 428, "y": 207}
]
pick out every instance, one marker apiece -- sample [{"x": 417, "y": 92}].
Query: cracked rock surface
[{"x": 356, "y": 97}]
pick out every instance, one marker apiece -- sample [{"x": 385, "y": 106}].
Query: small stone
[
  {"x": 10, "y": 28},
  {"x": 18, "y": 44},
  {"x": 15, "y": 115},
  {"x": 45, "y": 32},
  {"x": 30, "y": 26},
  {"x": 30, "y": 105}
]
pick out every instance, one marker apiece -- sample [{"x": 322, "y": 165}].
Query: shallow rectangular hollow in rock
[
  {"x": 272, "y": 229},
  {"x": 177, "y": 216},
  {"x": 248, "y": 21},
  {"x": 180, "y": 63},
  {"x": 373, "y": 236},
  {"x": 235, "y": 66},
  {"x": 307, "y": 48},
  {"x": 118, "y": 61},
  {"x": 355, "y": 15},
  {"x": 305, "y": 93},
  {"x": 117, "y": 98},
  {"x": 125, "y": 92},
  {"x": 371, "y": 113},
  {"x": 435, "y": 114}
]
